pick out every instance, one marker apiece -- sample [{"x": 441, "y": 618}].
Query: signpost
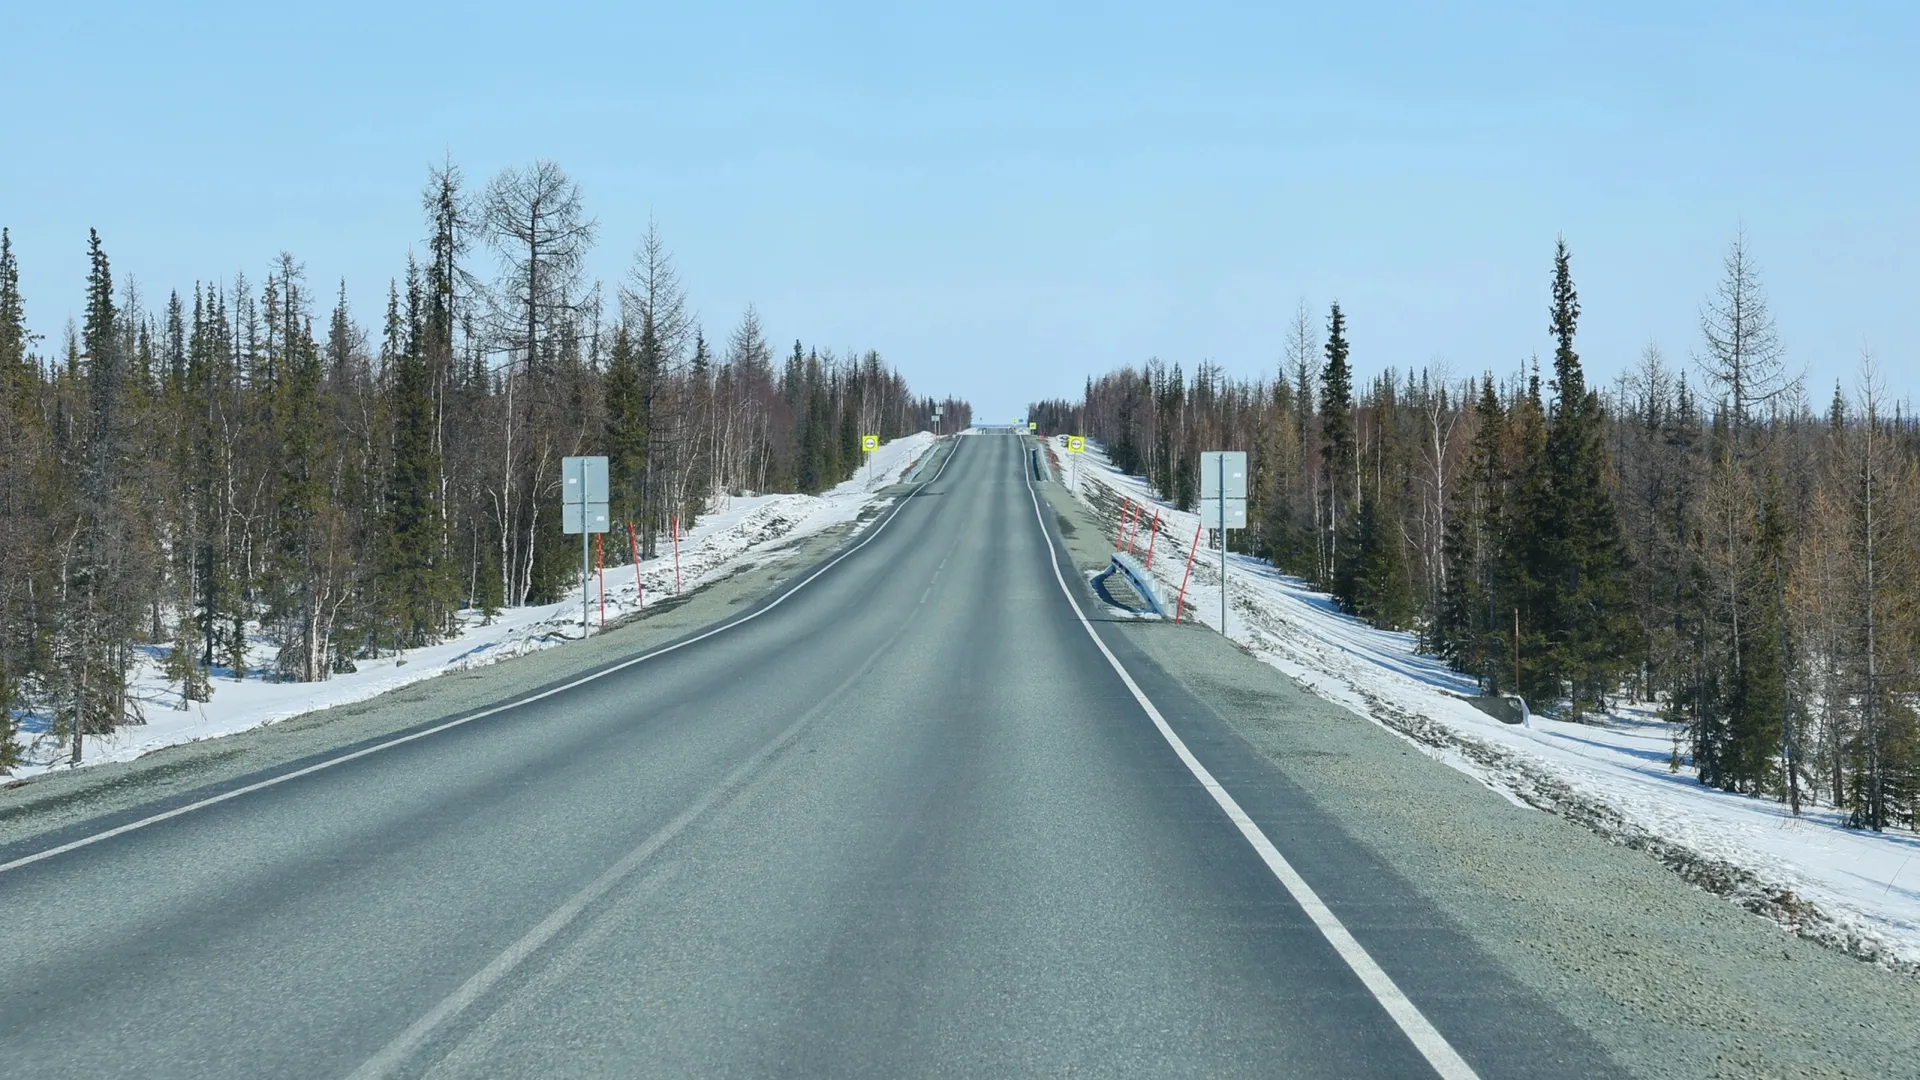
[
  {"x": 583, "y": 510},
  {"x": 868, "y": 444},
  {"x": 1076, "y": 444},
  {"x": 1223, "y": 502}
]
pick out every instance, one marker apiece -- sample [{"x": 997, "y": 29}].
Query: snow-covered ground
[
  {"x": 736, "y": 535},
  {"x": 1855, "y": 890}
]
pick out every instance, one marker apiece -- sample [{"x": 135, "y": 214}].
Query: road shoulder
[
  {"x": 1669, "y": 980},
  {"x": 55, "y": 806}
]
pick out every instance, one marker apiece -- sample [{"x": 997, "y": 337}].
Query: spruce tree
[
  {"x": 97, "y": 622},
  {"x": 1337, "y": 449},
  {"x": 1526, "y": 551},
  {"x": 626, "y": 429},
  {"x": 1587, "y": 605},
  {"x": 1467, "y": 629},
  {"x": 701, "y": 475},
  {"x": 1757, "y": 700},
  {"x": 417, "y": 597},
  {"x": 1382, "y": 591},
  {"x": 13, "y": 321}
]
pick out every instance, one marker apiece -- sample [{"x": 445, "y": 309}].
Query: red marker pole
[
  {"x": 600, "y": 565},
  {"x": 639, "y": 586},
  {"x": 676, "y": 554},
  {"x": 1153, "y": 534},
  {"x": 1126, "y": 519},
  {"x": 1191, "y": 550}
]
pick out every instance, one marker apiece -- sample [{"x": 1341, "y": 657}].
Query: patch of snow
[
  {"x": 1854, "y": 890},
  {"x": 734, "y": 537}
]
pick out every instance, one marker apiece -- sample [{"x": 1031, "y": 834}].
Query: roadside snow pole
[
  {"x": 1192, "y": 550},
  {"x": 676, "y": 554},
  {"x": 1120, "y": 531},
  {"x": 600, "y": 567},
  {"x": 639, "y": 587},
  {"x": 1152, "y": 535}
]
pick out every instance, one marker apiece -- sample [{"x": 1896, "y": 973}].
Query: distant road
[{"x": 911, "y": 821}]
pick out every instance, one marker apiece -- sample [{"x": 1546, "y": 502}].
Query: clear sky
[{"x": 1003, "y": 198}]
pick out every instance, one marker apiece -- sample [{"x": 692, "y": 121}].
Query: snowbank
[
  {"x": 731, "y": 538},
  {"x": 1857, "y": 891}
]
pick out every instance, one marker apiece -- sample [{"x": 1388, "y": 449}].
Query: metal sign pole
[
  {"x": 583, "y": 509},
  {"x": 1223, "y": 546},
  {"x": 585, "y": 576}
]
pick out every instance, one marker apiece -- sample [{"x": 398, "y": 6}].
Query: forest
[
  {"x": 244, "y": 463},
  {"x": 1707, "y": 536}
]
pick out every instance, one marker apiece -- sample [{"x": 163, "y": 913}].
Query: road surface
[{"x": 910, "y": 820}]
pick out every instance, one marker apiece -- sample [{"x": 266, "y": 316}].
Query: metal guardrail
[{"x": 1142, "y": 582}]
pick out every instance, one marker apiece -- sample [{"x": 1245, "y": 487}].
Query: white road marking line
[
  {"x": 391, "y": 1056},
  {"x": 1432, "y": 1045},
  {"x": 226, "y": 796}
]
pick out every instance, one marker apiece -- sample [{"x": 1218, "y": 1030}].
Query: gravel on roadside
[{"x": 1671, "y": 980}]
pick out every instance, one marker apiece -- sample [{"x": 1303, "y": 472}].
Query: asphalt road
[{"x": 908, "y": 821}]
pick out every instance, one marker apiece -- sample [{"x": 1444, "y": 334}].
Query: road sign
[
  {"x": 1236, "y": 511},
  {"x": 1223, "y": 505},
  {"x": 583, "y": 480},
  {"x": 583, "y": 510},
  {"x": 1076, "y": 444},
  {"x": 1033, "y": 425},
  {"x": 1223, "y": 473},
  {"x": 584, "y": 518},
  {"x": 869, "y": 443}
]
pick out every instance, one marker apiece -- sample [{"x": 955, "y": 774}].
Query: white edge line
[
  {"x": 320, "y": 766},
  {"x": 1432, "y": 1045}
]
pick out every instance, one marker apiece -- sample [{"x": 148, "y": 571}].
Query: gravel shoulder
[
  {"x": 54, "y": 805},
  {"x": 1670, "y": 980}
]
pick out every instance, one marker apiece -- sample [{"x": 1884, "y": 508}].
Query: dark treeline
[
  {"x": 1706, "y": 538},
  {"x": 244, "y": 461}
]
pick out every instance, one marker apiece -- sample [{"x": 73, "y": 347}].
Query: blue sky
[{"x": 1003, "y": 198}]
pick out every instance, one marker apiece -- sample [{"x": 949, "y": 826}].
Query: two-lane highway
[{"x": 910, "y": 821}]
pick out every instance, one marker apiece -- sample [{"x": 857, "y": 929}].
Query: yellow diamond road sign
[
  {"x": 869, "y": 443},
  {"x": 1076, "y": 444}
]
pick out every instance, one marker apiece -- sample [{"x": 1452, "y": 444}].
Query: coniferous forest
[
  {"x": 1713, "y": 535},
  {"x": 247, "y": 461}
]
